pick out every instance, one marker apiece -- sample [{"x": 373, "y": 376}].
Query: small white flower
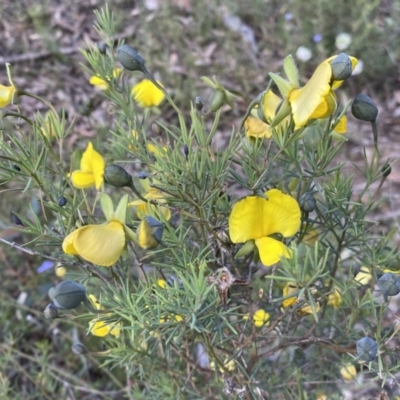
[
  {"x": 343, "y": 41},
  {"x": 359, "y": 68},
  {"x": 303, "y": 53}
]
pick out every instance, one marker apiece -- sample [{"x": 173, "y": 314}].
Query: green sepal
[
  {"x": 283, "y": 112},
  {"x": 129, "y": 234},
  {"x": 246, "y": 249},
  {"x": 284, "y": 86},
  {"x": 107, "y": 206},
  {"x": 291, "y": 71},
  {"x": 120, "y": 212}
]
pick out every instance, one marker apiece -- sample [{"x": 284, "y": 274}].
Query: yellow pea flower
[
  {"x": 102, "y": 244},
  {"x": 315, "y": 99},
  {"x": 257, "y": 218},
  {"x": 363, "y": 277},
  {"x": 102, "y": 84},
  {"x": 7, "y": 93},
  {"x": 149, "y": 233},
  {"x": 335, "y": 298},
  {"x": 92, "y": 170},
  {"x": 160, "y": 151},
  {"x": 229, "y": 366},
  {"x": 146, "y": 94},
  {"x": 98, "y": 327},
  {"x": 348, "y": 372},
  {"x": 290, "y": 288},
  {"x": 144, "y": 208},
  {"x": 260, "y": 318}
]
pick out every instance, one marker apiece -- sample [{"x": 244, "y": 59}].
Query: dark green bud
[
  {"x": 130, "y": 58},
  {"x": 16, "y": 220},
  {"x": 186, "y": 151},
  {"x": 199, "y": 103},
  {"x": 79, "y": 349},
  {"x": 389, "y": 284},
  {"x": 117, "y": 176},
  {"x": 217, "y": 100},
  {"x": 62, "y": 201},
  {"x": 67, "y": 295},
  {"x": 51, "y": 311},
  {"x": 386, "y": 169},
  {"x": 307, "y": 202},
  {"x": 15, "y": 166},
  {"x": 102, "y": 47},
  {"x": 367, "y": 349},
  {"x": 341, "y": 67},
  {"x": 156, "y": 128},
  {"x": 364, "y": 108}
]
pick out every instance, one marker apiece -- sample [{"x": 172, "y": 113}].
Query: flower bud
[
  {"x": 130, "y": 58},
  {"x": 217, "y": 100},
  {"x": 62, "y": 201},
  {"x": 16, "y": 220},
  {"x": 389, "y": 284},
  {"x": 16, "y": 167},
  {"x": 386, "y": 169},
  {"x": 199, "y": 103},
  {"x": 364, "y": 108},
  {"x": 67, "y": 295},
  {"x": 117, "y": 176},
  {"x": 156, "y": 128},
  {"x": 367, "y": 349},
  {"x": 186, "y": 151},
  {"x": 79, "y": 349},
  {"x": 143, "y": 175},
  {"x": 307, "y": 202},
  {"x": 341, "y": 67},
  {"x": 102, "y": 47},
  {"x": 51, "y": 311}
]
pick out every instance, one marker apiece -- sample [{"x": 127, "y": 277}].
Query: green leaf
[{"x": 246, "y": 249}]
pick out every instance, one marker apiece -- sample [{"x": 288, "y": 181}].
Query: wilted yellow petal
[
  {"x": 100, "y": 244},
  {"x": 271, "y": 250},
  {"x": 255, "y": 128},
  {"x": 147, "y": 94},
  {"x": 304, "y": 101}
]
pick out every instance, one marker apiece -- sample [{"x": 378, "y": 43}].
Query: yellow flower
[
  {"x": 7, "y": 93},
  {"x": 102, "y": 84},
  {"x": 348, "y": 372},
  {"x": 98, "y": 327},
  {"x": 92, "y": 170},
  {"x": 341, "y": 126},
  {"x": 335, "y": 298},
  {"x": 159, "y": 151},
  {"x": 144, "y": 208},
  {"x": 290, "y": 288},
  {"x": 147, "y": 94},
  {"x": 315, "y": 99},
  {"x": 256, "y": 218},
  {"x": 162, "y": 283},
  {"x": 255, "y": 127},
  {"x": 261, "y": 318},
  {"x": 149, "y": 233},
  {"x": 229, "y": 366},
  {"x": 102, "y": 244},
  {"x": 60, "y": 271},
  {"x": 363, "y": 277}
]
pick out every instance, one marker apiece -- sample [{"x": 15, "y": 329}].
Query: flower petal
[
  {"x": 255, "y": 217},
  {"x": 82, "y": 180},
  {"x": 341, "y": 126},
  {"x": 98, "y": 82},
  {"x": 93, "y": 162},
  {"x": 305, "y": 100},
  {"x": 255, "y": 128},
  {"x": 326, "y": 108},
  {"x": 99, "y": 328},
  {"x": 271, "y": 250},
  {"x": 100, "y": 244},
  {"x": 147, "y": 94},
  {"x": 6, "y": 95},
  {"x": 68, "y": 243},
  {"x": 269, "y": 103}
]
